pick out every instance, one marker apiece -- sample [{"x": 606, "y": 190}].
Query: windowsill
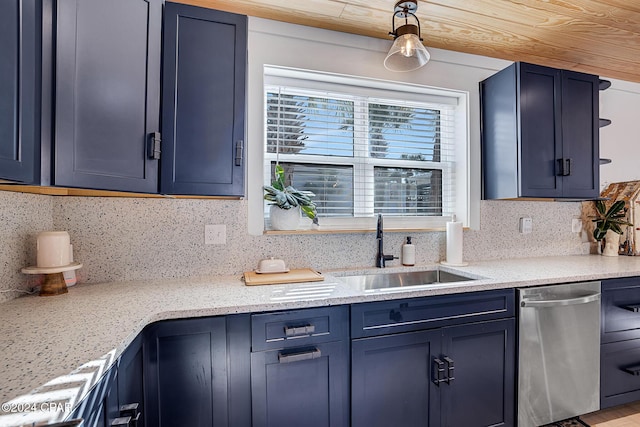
[
  {"x": 361, "y": 225},
  {"x": 353, "y": 231}
]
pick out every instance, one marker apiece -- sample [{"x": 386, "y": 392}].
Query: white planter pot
[
  {"x": 284, "y": 219},
  {"x": 612, "y": 243}
]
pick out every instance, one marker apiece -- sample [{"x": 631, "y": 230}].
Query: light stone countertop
[{"x": 48, "y": 343}]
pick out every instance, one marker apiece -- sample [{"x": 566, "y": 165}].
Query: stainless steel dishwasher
[{"x": 559, "y": 352}]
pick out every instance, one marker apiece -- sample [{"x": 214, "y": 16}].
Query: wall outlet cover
[
  {"x": 215, "y": 234},
  {"x": 525, "y": 225}
]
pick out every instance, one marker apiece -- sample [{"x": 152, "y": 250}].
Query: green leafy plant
[
  {"x": 609, "y": 219},
  {"x": 287, "y": 197}
]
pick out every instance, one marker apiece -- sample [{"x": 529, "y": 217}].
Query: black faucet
[{"x": 381, "y": 258}]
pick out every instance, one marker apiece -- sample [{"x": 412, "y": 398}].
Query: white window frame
[{"x": 333, "y": 85}]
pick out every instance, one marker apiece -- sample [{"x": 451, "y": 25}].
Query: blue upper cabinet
[
  {"x": 19, "y": 90},
  {"x": 203, "y": 110},
  {"x": 107, "y": 94},
  {"x": 540, "y": 133}
]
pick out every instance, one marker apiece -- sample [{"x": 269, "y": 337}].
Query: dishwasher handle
[{"x": 560, "y": 302}]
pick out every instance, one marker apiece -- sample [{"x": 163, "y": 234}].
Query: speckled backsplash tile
[
  {"x": 22, "y": 216},
  {"x": 131, "y": 238},
  {"x": 499, "y": 237}
]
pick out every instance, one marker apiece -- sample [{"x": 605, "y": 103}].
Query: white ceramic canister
[{"x": 52, "y": 249}]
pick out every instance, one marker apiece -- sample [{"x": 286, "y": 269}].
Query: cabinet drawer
[
  {"x": 381, "y": 318},
  {"x": 620, "y": 369},
  {"x": 295, "y": 387},
  {"x": 619, "y": 298},
  {"x": 299, "y": 327}
]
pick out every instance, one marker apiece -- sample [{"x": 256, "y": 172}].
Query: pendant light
[{"x": 407, "y": 52}]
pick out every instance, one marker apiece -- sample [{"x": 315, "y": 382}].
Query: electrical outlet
[
  {"x": 526, "y": 225},
  {"x": 215, "y": 234},
  {"x": 576, "y": 225}
]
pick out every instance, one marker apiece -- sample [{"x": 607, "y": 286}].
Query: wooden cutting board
[{"x": 294, "y": 276}]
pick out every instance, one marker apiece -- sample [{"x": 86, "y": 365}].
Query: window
[{"x": 365, "y": 147}]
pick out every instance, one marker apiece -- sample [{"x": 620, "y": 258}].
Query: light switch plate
[
  {"x": 526, "y": 225},
  {"x": 215, "y": 234}
]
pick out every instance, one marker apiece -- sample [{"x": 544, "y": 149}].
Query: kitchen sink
[{"x": 399, "y": 281}]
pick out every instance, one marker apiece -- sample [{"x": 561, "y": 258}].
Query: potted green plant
[
  {"x": 286, "y": 203},
  {"x": 608, "y": 225}
]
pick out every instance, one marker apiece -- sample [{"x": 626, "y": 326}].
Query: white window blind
[{"x": 363, "y": 155}]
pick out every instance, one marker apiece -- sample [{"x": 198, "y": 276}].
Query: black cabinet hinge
[{"x": 153, "y": 146}]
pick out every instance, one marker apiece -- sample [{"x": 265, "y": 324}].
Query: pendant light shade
[{"x": 407, "y": 52}]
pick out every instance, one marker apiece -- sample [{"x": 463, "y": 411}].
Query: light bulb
[{"x": 407, "y": 48}]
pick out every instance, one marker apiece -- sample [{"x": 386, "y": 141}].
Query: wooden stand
[{"x": 54, "y": 283}]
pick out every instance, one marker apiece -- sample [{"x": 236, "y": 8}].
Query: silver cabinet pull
[
  {"x": 450, "y": 369},
  {"x": 298, "y": 357},
  {"x": 299, "y": 331},
  {"x": 632, "y": 370},
  {"x": 438, "y": 371},
  {"x": 71, "y": 423},
  {"x": 632, "y": 307},
  {"x": 121, "y": 422}
]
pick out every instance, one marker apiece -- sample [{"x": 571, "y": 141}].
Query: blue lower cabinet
[
  {"x": 391, "y": 382},
  {"x": 187, "y": 371},
  {"x": 131, "y": 382},
  {"x": 481, "y": 390},
  {"x": 121, "y": 385},
  {"x": 100, "y": 407},
  {"x": 450, "y": 377},
  {"x": 620, "y": 342},
  {"x": 300, "y": 368},
  {"x": 620, "y": 373},
  {"x": 306, "y": 386}
]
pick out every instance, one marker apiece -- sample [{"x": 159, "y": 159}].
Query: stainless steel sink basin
[{"x": 398, "y": 281}]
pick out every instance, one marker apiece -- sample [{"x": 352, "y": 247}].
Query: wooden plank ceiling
[{"x": 596, "y": 36}]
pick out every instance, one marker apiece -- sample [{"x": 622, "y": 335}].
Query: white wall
[
  {"x": 277, "y": 43},
  {"x": 620, "y": 141}
]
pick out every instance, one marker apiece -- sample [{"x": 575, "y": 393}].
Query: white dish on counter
[{"x": 286, "y": 270}]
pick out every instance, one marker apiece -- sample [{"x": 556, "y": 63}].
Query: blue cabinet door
[
  {"x": 580, "y": 135},
  {"x": 306, "y": 386},
  {"x": 392, "y": 381},
  {"x": 203, "y": 105},
  {"x": 130, "y": 378},
  {"x": 107, "y": 93},
  {"x": 453, "y": 376},
  {"x": 100, "y": 407},
  {"x": 540, "y": 133},
  {"x": 186, "y": 373},
  {"x": 481, "y": 359},
  {"x": 20, "y": 31}
]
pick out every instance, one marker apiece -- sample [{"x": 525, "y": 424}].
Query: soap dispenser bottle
[{"x": 408, "y": 253}]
